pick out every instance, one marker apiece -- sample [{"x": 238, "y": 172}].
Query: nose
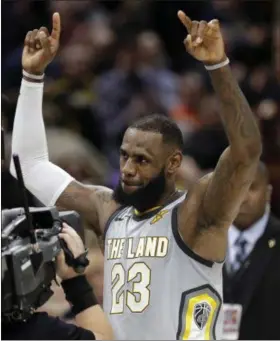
[{"x": 129, "y": 169}]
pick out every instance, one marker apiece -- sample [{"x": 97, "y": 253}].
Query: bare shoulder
[
  {"x": 190, "y": 209},
  {"x": 95, "y": 203},
  {"x": 207, "y": 243},
  {"x": 212, "y": 205}
]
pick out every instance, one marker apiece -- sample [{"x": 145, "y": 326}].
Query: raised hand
[
  {"x": 204, "y": 40},
  {"x": 40, "y": 47}
]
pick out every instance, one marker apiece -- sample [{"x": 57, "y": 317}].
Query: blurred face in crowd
[
  {"x": 191, "y": 88},
  {"x": 254, "y": 204},
  {"x": 208, "y": 112},
  {"x": 67, "y": 8},
  {"x": 146, "y": 168},
  {"x": 126, "y": 58},
  {"x": 77, "y": 60},
  {"x": 149, "y": 48}
]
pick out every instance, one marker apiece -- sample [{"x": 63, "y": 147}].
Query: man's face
[
  {"x": 143, "y": 170},
  {"x": 254, "y": 204}
]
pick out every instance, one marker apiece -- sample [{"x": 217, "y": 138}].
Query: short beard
[{"x": 143, "y": 198}]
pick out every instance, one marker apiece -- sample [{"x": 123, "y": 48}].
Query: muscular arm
[
  {"x": 95, "y": 203},
  {"x": 49, "y": 183},
  {"x": 237, "y": 165},
  {"x": 221, "y": 193}
]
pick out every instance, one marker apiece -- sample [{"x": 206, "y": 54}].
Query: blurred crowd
[{"x": 120, "y": 60}]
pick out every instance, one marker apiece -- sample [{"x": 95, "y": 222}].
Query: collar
[
  {"x": 251, "y": 234},
  {"x": 138, "y": 216}
]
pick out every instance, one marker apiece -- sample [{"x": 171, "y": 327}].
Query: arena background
[{"x": 119, "y": 60}]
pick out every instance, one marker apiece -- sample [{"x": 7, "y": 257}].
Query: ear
[
  {"x": 268, "y": 193},
  {"x": 174, "y": 162}
]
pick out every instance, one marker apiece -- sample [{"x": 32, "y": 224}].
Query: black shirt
[{"x": 41, "y": 326}]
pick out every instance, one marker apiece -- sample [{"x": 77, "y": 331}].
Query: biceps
[
  {"x": 226, "y": 189},
  {"x": 89, "y": 201}
]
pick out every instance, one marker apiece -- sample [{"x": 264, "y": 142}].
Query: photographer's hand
[
  {"x": 75, "y": 245},
  {"x": 78, "y": 292}
]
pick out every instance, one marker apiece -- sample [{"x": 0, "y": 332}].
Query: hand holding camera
[{"x": 75, "y": 245}]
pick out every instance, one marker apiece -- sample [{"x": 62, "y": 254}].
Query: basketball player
[{"x": 164, "y": 250}]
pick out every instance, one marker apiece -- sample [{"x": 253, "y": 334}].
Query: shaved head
[{"x": 171, "y": 133}]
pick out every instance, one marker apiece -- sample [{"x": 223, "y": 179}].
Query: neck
[{"x": 170, "y": 194}]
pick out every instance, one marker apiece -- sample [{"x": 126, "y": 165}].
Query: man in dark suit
[{"x": 252, "y": 269}]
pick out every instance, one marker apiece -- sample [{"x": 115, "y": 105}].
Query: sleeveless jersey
[{"x": 155, "y": 287}]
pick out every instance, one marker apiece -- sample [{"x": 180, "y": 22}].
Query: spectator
[{"x": 251, "y": 276}]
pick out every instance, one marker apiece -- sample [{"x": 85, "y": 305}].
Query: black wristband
[{"x": 79, "y": 293}]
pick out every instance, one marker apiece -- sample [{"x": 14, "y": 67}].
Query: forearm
[
  {"x": 95, "y": 320},
  {"x": 29, "y": 136},
  {"x": 88, "y": 313},
  {"x": 42, "y": 178},
  {"x": 239, "y": 122}
]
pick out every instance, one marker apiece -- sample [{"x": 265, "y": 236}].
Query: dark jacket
[
  {"x": 41, "y": 326},
  {"x": 256, "y": 286}
]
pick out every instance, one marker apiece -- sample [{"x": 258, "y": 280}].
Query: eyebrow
[{"x": 146, "y": 154}]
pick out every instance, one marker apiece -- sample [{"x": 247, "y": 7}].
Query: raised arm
[
  {"x": 221, "y": 193},
  {"x": 237, "y": 165},
  {"x": 49, "y": 183}
]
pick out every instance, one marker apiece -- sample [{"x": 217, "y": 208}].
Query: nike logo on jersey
[{"x": 122, "y": 218}]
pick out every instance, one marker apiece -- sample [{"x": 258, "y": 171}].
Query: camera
[
  {"x": 28, "y": 257},
  {"x": 29, "y": 245}
]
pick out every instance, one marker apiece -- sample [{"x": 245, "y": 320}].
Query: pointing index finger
[
  {"x": 185, "y": 20},
  {"x": 56, "y": 26}
]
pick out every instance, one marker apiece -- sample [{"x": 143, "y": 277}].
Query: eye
[
  {"x": 123, "y": 154},
  {"x": 141, "y": 159}
]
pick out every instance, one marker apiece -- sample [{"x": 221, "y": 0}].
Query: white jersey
[{"x": 155, "y": 287}]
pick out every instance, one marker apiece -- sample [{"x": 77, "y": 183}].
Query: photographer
[{"x": 90, "y": 319}]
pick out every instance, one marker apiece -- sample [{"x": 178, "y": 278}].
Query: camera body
[{"x": 28, "y": 267}]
